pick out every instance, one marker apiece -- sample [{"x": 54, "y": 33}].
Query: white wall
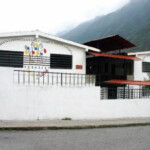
[
  {"x": 32, "y": 103},
  {"x": 53, "y": 47},
  {"x": 19, "y": 102},
  {"x": 138, "y": 74}
]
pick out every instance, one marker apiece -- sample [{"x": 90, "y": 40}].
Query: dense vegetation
[{"x": 132, "y": 22}]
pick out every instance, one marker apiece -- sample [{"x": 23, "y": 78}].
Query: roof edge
[{"x": 46, "y": 35}]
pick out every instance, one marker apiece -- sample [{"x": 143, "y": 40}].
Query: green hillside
[{"x": 132, "y": 22}]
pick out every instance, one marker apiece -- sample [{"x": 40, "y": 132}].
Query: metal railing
[
  {"x": 53, "y": 78},
  {"x": 127, "y": 93}
]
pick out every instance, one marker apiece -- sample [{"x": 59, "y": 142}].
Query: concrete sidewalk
[{"x": 72, "y": 124}]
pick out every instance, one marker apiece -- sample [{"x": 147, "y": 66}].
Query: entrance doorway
[{"x": 112, "y": 92}]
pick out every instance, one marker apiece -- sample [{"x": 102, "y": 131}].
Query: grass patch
[{"x": 67, "y": 118}]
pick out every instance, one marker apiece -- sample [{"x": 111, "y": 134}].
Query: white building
[
  {"x": 141, "y": 68},
  {"x": 44, "y": 77},
  {"x": 39, "y": 52}
]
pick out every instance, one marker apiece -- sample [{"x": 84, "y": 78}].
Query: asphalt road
[{"x": 128, "y": 138}]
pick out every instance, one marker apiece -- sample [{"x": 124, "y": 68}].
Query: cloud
[
  {"x": 137, "y": 0},
  {"x": 52, "y": 15}
]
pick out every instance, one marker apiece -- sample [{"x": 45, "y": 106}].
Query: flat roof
[
  {"x": 111, "y": 43},
  {"x": 128, "y": 82},
  {"x": 114, "y": 56}
]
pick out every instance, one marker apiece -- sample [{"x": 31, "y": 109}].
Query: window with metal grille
[
  {"x": 11, "y": 59},
  {"x": 59, "y": 61},
  {"x": 146, "y": 66}
]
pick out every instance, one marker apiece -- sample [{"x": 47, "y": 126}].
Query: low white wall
[
  {"x": 20, "y": 102},
  {"x": 32, "y": 103}
]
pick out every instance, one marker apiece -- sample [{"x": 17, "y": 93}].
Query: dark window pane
[
  {"x": 106, "y": 67},
  {"x": 146, "y": 67},
  {"x": 11, "y": 59},
  {"x": 58, "y": 61}
]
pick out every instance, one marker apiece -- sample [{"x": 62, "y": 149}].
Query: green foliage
[
  {"x": 67, "y": 118},
  {"x": 132, "y": 22}
]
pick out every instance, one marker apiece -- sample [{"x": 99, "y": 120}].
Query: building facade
[
  {"x": 45, "y": 77},
  {"x": 141, "y": 69},
  {"x": 39, "y": 52}
]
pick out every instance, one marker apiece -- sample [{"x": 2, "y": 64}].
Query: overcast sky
[{"x": 52, "y": 16}]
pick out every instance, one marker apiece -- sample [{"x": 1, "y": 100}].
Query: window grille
[
  {"x": 146, "y": 66},
  {"x": 11, "y": 59},
  {"x": 58, "y": 61}
]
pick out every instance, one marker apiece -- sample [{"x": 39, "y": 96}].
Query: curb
[{"x": 73, "y": 127}]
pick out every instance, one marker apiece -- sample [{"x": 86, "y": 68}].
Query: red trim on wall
[
  {"x": 114, "y": 56},
  {"x": 128, "y": 82},
  {"x": 79, "y": 67}
]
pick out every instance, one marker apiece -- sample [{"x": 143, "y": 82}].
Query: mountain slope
[{"x": 132, "y": 22}]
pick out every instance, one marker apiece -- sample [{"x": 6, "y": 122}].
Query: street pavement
[
  {"x": 121, "y": 138},
  {"x": 70, "y": 124}
]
